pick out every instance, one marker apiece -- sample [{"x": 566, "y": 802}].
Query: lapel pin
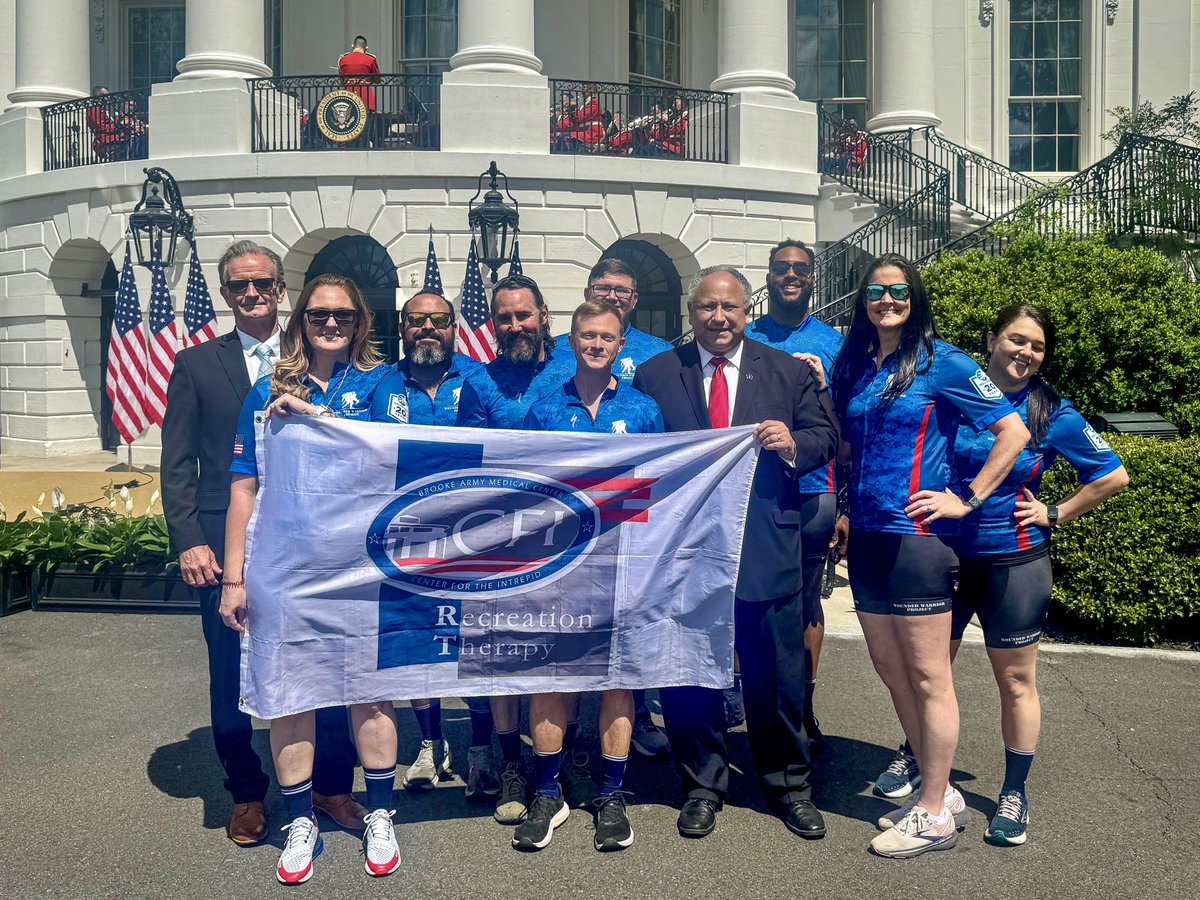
[{"x": 749, "y": 376}]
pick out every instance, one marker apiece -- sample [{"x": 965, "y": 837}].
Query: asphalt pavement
[{"x": 111, "y": 789}]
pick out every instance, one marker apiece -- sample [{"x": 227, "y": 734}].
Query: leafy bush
[
  {"x": 126, "y": 543},
  {"x": 1129, "y": 572},
  {"x": 1128, "y": 321}
]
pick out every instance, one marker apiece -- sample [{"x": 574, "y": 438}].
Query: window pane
[
  {"x": 854, "y": 43},
  {"x": 443, "y": 36},
  {"x": 414, "y": 7},
  {"x": 1068, "y": 76},
  {"x": 1068, "y": 154},
  {"x": 830, "y": 45},
  {"x": 414, "y": 37},
  {"x": 807, "y": 12},
  {"x": 1022, "y": 10},
  {"x": 1068, "y": 9},
  {"x": 855, "y": 79},
  {"x": 806, "y": 47},
  {"x": 829, "y": 11},
  {"x": 1045, "y": 9},
  {"x": 672, "y": 27},
  {"x": 854, "y": 12},
  {"x": 1045, "y": 78},
  {"x": 1045, "y": 118},
  {"x": 671, "y": 67},
  {"x": 654, "y": 21},
  {"x": 138, "y": 25},
  {"x": 1045, "y": 40},
  {"x": 443, "y": 8},
  {"x": 654, "y": 59},
  {"x": 1068, "y": 39},
  {"x": 1020, "y": 154},
  {"x": 1020, "y": 41},
  {"x": 1020, "y": 118},
  {"x": 1068, "y": 117},
  {"x": 806, "y": 82},
  {"x": 637, "y": 16},
  {"x": 830, "y": 83},
  {"x": 637, "y": 54},
  {"x": 1044, "y": 157},
  {"x": 1020, "y": 79}
]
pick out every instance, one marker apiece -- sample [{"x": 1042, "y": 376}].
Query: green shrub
[
  {"x": 1129, "y": 572},
  {"x": 1128, "y": 321}
]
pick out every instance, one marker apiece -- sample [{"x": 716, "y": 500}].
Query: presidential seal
[{"x": 341, "y": 116}]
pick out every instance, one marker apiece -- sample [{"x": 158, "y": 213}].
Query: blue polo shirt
[
  {"x": 905, "y": 448},
  {"x": 498, "y": 395},
  {"x": 400, "y": 398},
  {"x": 348, "y": 397},
  {"x": 810, "y": 336},
  {"x": 993, "y": 529},
  {"x": 622, "y": 410},
  {"x": 638, "y": 348}
]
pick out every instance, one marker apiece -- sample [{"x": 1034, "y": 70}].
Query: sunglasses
[
  {"x": 418, "y": 319},
  {"x": 241, "y": 285},
  {"x": 800, "y": 270},
  {"x": 340, "y": 316},
  {"x": 875, "y": 292}
]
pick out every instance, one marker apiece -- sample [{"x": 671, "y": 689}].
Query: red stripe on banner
[
  {"x": 620, "y": 496},
  {"x": 603, "y": 485},
  {"x": 624, "y": 515},
  {"x": 914, "y": 477},
  {"x": 1023, "y": 541}
]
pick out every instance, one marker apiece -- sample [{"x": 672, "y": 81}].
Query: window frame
[
  {"x": 125, "y": 8},
  {"x": 868, "y": 62},
  {"x": 642, "y": 78},
  {"x": 421, "y": 65}
]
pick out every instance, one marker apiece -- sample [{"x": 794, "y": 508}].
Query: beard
[
  {"x": 425, "y": 354},
  {"x": 523, "y": 347},
  {"x": 800, "y": 302}
]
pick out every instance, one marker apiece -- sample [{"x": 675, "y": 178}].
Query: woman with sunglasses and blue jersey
[{"x": 902, "y": 394}]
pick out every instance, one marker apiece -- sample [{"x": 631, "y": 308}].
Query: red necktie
[{"x": 718, "y": 395}]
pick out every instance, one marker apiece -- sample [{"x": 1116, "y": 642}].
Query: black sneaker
[
  {"x": 545, "y": 814},
  {"x": 578, "y": 788},
  {"x": 613, "y": 831},
  {"x": 512, "y": 802}
]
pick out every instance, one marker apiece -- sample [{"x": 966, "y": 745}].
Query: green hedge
[
  {"x": 1129, "y": 572},
  {"x": 1128, "y": 320}
]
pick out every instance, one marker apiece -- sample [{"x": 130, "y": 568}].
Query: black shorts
[
  {"x": 1010, "y": 592},
  {"x": 817, "y": 514},
  {"x": 901, "y": 574}
]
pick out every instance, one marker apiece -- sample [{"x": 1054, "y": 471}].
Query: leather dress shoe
[
  {"x": 804, "y": 819},
  {"x": 248, "y": 825},
  {"x": 343, "y": 809},
  {"x": 698, "y": 817}
]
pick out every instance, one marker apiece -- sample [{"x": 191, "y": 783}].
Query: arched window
[
  {"x": 365, "y": 262},
  {"x": 659, "y": 290},
  {"x": 830, "y": 56}
]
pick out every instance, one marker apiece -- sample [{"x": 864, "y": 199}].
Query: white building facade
[{"x": 1027, "y": 83}]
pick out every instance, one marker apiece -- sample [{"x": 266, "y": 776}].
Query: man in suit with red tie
[
  {"x": 359, "y": 70},
  {"x": 718, "y": 380}
]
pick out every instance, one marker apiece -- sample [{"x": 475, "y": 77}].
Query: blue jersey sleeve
[
  {"x": 1073, "y": 438},
  {"x": 959, "y": 380},
  {"x": 381, "y": 400},
  {"x": 472, "y": 413},
  {"x": 244, "y": 461}
]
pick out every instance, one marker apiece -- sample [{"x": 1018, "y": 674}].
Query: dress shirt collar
[
  {"x": 734, "y": 356},
  {"x": 249, "y": 344}
]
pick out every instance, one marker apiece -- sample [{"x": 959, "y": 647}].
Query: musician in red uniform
[
  {"x": 359, "y": 70},
  {"x": 107, "y": 140},
  {"x": 580, "y": 129}
]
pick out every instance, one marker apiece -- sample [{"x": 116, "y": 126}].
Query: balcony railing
[
  {"x": 100, "y": 129},
  {"x": 333, "y": 112},
  {"x": 611, "y": 119}
]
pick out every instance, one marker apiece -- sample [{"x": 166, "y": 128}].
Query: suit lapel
[
  {"x": 749, "y": 379},
  {"x": 693, "y": 382},
  {"x": 234, "y": 362}
]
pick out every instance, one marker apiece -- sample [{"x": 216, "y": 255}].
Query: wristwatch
[
  {"x": 971, "y": 500},
  {"x": 1052, "y": 516}
]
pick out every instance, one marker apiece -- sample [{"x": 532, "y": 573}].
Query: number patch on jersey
[
  {"x": 1095, "y": 440},
  {"x": 398, "y": 408},
  {"x": 985, "y": 387}
]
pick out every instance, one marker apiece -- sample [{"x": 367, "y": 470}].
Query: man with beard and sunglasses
[
  {"x": 789, "y": 326},
  {"x": 499, "y": 396},
  {"x": 425, "y": 389}
]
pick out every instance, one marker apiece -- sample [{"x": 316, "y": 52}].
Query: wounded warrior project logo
[{"x": 478, "y": 561}]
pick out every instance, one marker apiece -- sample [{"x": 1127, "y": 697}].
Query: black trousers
[
  {"x": 769, "y": 638},
  {"x": 333, "y": 767}
]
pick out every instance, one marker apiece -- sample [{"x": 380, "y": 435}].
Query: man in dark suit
[
  {"x": 718, "y": 380},
  {"x": 204, "y": 399}
]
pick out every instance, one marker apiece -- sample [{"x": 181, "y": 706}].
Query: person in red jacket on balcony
[
  {"x": 579, "y": 128},
  {"x": 359, "y": 70},
  {"x": 108, "y": 142}
]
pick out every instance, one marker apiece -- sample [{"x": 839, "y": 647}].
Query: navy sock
[
  {"x": 429, "y": 720},
  {"x": 548, "y": 765},
  {"x": 614, "y": 774},
  {"x": 298, "y": 799},
  {"x": 907, "y": 748},
  {"x": 1016, "y": 769},
  {"x": 380, "y": 784},
  {"x": 510, "y": 745},
  {"x": 481, "y": 727},
  {"x": 568, "y": 744}
]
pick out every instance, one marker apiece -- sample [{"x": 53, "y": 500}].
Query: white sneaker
[
  {"x": 302, "y": 846},
  {"x": 379, "y": 843},
  {"x": 917, "y": 833},
  {"x": 433, "y": 762},
  {"x": 954, "y": 802}
]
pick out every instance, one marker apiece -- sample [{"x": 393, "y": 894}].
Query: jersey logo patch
[
  {"x": 1095, "y": 440},
  {"x": 398, "y": 408},
  {"x": 628, "y": 366},
  {"x": 454, "y": 397},
  {"x": 574, "y": 420},
  {"x": 349, "y": 399},
  {"x": 619, "y": 427},
  {"x": 985, "y": 387}
]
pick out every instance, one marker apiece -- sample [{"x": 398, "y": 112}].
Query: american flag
[
  {"x": 476, "y": 337},
  {"x": 514, "y": 265},
  {"x": 433, "y": 276},
  {"x": 163, "y": 342},
  {"x": 125, "y": 380},
  {"x": 198, "y": 313}
]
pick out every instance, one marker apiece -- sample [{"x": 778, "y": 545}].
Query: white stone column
[
  {"x": 768, "y": 126},
  {"x": 223, "y": 38},
  {"x": 53, "y": 57},
  {"x": 495, "y": 98},
  {"x": 902, "y": 93}
]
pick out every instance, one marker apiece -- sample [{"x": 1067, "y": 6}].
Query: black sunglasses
[
  {"x": 800, "y": 270},
  {"x": 418, "y": 319},
  {"x": 875, "y": 292},
  {"x": 340, "y": 316},
  {"x": 262, "y": 285}
]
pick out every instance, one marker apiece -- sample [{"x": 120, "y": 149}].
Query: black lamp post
[
  {"x": 493, "y": 222},
  {"x": 158, "y": 222}
]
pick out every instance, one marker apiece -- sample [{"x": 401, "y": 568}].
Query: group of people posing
[
  {"x": 940, "y": 463},
  {"x": 588, "y": 126}
]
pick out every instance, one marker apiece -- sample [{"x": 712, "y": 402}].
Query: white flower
[
  {"x": 57, "y": 498},
  {"x": 153, "y": 499},
  {"x": 3, "y": 512}
]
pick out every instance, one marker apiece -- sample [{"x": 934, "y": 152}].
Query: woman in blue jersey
[
  {"x": 1003, "y": 551},
  {"x": 328, "y": 359},
  {"x": 902, "y": 394}
]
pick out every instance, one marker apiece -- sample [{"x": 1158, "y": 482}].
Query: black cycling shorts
[
  {"x": 901, "y": 574},
  {"x": 817, "y": 514},
  {"x": 1010, "y": 592}
]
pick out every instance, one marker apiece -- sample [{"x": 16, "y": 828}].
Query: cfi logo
[
  {"x": 985, "y": 387},
  {"x": 472, "y": 533}
]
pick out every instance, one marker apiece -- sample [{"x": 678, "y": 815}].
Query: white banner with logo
[{"x": 400, "y": 561}]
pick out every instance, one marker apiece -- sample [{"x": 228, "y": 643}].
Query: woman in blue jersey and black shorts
[
  {"x": 902, "y": 394},
  {"x": 1003, "y": 550}
]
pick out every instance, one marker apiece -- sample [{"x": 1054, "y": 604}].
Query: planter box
[
  {"x": 143, "y": 590},
  {"x": 14, "y": 592}
]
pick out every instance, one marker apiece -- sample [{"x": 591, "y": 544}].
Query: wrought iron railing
[
  {"x": 612, "y": 119},
  {"x": 99, "y": 129},
  {"x": 352, "y": 112}
]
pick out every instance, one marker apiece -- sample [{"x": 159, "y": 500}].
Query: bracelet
[{"x": 234, "y": 584}]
